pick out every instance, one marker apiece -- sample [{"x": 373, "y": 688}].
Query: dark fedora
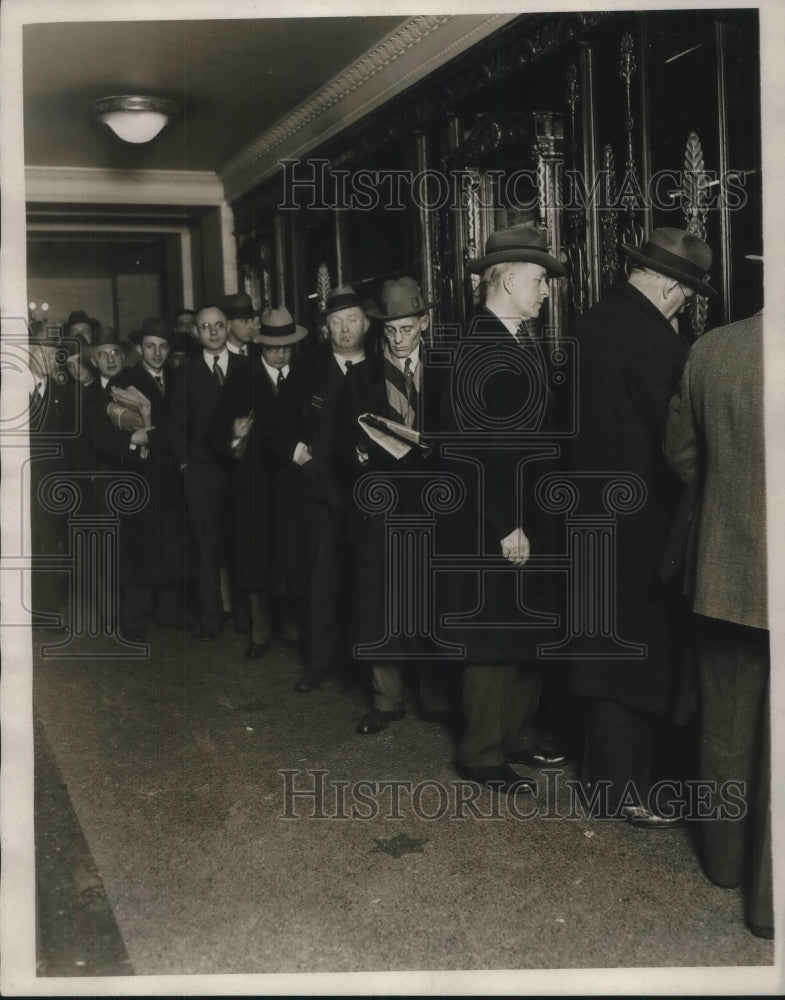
[
  {"x": 106, "y": 335},
  {"x": 151, "y": 327},
  {"x": 79, "y": 316},
  {"x": 278, "y": 328},
  {"x": 677, "y": 254},
  {"x": 400, "y": 298},
  {"x": 239, "y": 306},
  {"x": 524, "y": 244},
  {"x": 342, "y": 297}
]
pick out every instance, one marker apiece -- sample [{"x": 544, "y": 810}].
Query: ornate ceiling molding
[
  {"x": 122, "y": 187},
  {"x": 406, "y": 55}
]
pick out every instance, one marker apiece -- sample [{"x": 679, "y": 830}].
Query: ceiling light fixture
[{"x": 134, "y": 118}]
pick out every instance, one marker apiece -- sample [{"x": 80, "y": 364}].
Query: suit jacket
[
  {"x": 714, "y": 436},
  {"x": 195, "y": 396},
  {"x": 500, "y": 389},
  {"x": 153, "y": 539},
  {"x": 266, "y": 487},
  {"x": 630, "y": 361},
  {"x": 315, "y": 415}
]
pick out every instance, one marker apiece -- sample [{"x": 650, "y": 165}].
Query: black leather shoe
[
  {"x": 256, "y": 650},
  {"x": 501, "y": 778},
  {"x": 648, "y": 820},
  {"x": 759, "y": 930},
  {"x": 375, "y": 722},
  {"x": 311, "y": 680},
  {"x": 538, "y": 756}
]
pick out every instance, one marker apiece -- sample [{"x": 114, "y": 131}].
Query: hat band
[
  {"x": 278, "y": 331},
  {"x": 344, "y": 301},
  {"x": 656, "y": 253}
]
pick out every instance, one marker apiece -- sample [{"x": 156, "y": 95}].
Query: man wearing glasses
[
  {"x": 631, "y": 357},
  {"x": 197, "y": 389}
]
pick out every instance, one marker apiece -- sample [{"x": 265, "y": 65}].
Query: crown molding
[
  {"x": 418, "y": 47},
  {"x": 122, "y": 187}
]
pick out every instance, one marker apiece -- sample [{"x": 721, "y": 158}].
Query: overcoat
[
  {"x": 715, "y": 434},
  {"x": 153, "y": 539},
  {"x": 265, "y": 487},
  {"x": 501, "y": 402},
  {"x": 366, "y": 392},
  {"x": 314, "y": 413},
  {"x": 630, "y": 360}
]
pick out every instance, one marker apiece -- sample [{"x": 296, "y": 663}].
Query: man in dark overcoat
[
  {"x": 266, "y": 488},
  {"x": 53, "y": 415},
  {"x": 312, "y": 434},
  {"x": 399, "y": 386},
  {"x": 715, "y": 435},
  {"x": 153, "y": 539},
  {"x": 502, "y": 679},
  {"x": 198, "y": 386},
  {"x": 631, "y": 357}
]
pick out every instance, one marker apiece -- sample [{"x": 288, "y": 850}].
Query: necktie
[
  {"x": 159, "y": 381},
  {"x": 522, "y": 333},
  {"x": 408, "y": 376},
  {"x": 347, "y": 365},
  {"x": 244, "y": 350},
  {"x": 281, "y": 378},
  {"x": 218, "y": 372}
]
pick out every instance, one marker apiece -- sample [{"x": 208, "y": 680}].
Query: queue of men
[{"x": 268, "y": 442}]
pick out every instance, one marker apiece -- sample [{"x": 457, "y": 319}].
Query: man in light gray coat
[{"x": 715, "y": 435}]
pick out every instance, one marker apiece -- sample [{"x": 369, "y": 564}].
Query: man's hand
[
  {"x": 515, "y": 547},
  {"x": 302, "y": 454},
  {"x": 242, "y": 426}
]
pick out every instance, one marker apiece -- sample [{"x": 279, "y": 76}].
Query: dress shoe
[
  {"x": 761, "y": 931},
  {"x": 648, "y": 820},
  {"x": 256, "y": 650},
  {"x": 311, "y": 680},
  {"x": 538, "y": 756},
  {"x": 501, "y": 778},
  {"x": 376, "y": 721}
]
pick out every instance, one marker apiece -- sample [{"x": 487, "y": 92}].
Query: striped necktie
[
  {"x": 218, "y": 372},
  {"x": 408, "y": 377}
]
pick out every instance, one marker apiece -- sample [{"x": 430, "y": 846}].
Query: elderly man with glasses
[{"x": 631, "y": 356}]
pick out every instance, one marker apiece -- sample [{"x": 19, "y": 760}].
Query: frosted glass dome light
[{"x": 134, "y": 118}]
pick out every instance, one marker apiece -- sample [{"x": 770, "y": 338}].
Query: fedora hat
[
  {"x": 677, "y": 254},
  {"x": 239, "y": 306},
  {"x": 400, "y": 298},
  {"x": 278, "y": 328},
  {"x": 342, "y": 297},
  {"x": 523, "y": 244},
  {"x": 151, "y": 327},
  {"x": 106, "y": 335}
]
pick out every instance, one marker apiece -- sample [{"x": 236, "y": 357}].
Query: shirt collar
[
  {"x": 415, "y": 358},
  {"x": 104, "y": 381},
  {"x": 242, "y": 350},
  {"x": 341, "y": 359},
  {"x": 223, "y": 359},
  {"x": 509, "y": 324},
  {"x": 153, "y": 374},
  {"x": 273, "y": 372}
]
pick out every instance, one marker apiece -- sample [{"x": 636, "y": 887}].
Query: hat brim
[
  {"x": 375, "y": 313},
  {"x": 288, "y": 338},
  {"x": 551, "y": 265},
  {"x": 671, "y": 272}
]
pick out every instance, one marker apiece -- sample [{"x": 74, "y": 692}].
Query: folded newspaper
[{"x": 395, "y": 438}]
